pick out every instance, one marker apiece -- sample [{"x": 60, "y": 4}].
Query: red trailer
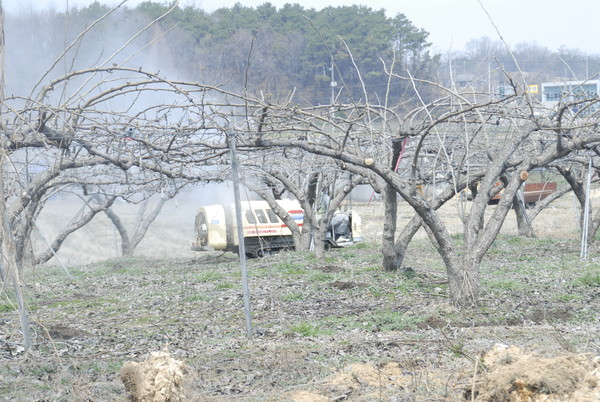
[{"x": 532, "y": 193}]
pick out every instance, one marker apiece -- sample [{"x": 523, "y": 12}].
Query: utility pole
[
  {"x": 489, "y": 77},
  {"x": 333, "y": 82}
]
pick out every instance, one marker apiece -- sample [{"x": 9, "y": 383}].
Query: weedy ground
[{"x": 311, "y": 320}]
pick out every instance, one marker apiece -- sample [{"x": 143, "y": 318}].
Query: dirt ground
[{"x": 331, "y": 330}]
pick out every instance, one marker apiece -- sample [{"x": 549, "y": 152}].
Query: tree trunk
[
  {"x": 463, "y": 281},
  {"x": 300, "y": 236},
  {"x": 304, "y": 240},
  {"x": 594, "y": 227},
  {"x": 143, "y": 222},
  {"x": 126, "y": 248},
  {"x": 388, "y": 248},
  {"x": 94, "y": 208},
  {"x": 462, "y": 269},
  {"x": 524, "y": 227},
  {"x": 8, "y": 266},
  {"x": 319, "y": 244},
  {"x": 404, "y": 239},
  {"x": 579, "y": 191},
  {"x": 312, "y": 188}
]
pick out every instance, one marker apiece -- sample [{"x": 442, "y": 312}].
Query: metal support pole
[
  {"x": 240, "y": 234},
  {"x": 586, "y": 214}
]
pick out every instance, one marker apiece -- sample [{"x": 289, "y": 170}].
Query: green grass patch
[
  {"x": 83, "y": 302},
  {"x": 513, "y": 240},
  {"x": 406, "y": 286},
  {"x": 224, "y": 285},
  {"x": 584, "y": 316},
  {"x": 457, "y": 349},
  {"x": 505, "y": 284},
  {"x": 589, "y": 279},
  {"x": 375, "y": 291},
  {"x": 142, "y": 320},
  {"x": 39, "y": 370},
  {"x": 7, "y": 307},
  {"x": 291, "y": 267},
  {"x": 293, "y": 296},
  {"x": 377, "y": 321},
  {"x": 259, "y": 272},
  {"x": 101, "y": 367},
  {"x": 307, "y": 329},
  {"x": 320, "y": 277},
  {"x": 372, "y": 268},
  {"x": 567, "y": 297},
  {"x": 196, "y": 297},
  {"x": 209, "y": 276},
  {"x": 388, "y": 320},
  {"x": 527, "y": 258},
  {"x": 361, "y": 246}
]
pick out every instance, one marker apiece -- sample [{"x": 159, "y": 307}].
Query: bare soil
[{"x": 331, "y": 329}]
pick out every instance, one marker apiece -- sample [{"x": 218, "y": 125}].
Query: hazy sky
[{"x": 451, "y": 23}]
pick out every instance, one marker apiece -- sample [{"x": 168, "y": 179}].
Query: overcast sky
[{"x": 450, "y": 23}]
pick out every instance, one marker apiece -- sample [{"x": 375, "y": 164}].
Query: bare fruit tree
[
  {"x": 319, "y": 184},
  {"x": 149, "y": 207},
  {"x": 99, "y": 134},
  {"x": 463, "y": 139}
]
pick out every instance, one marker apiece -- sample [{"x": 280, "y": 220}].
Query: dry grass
[{"x": 313, "y": 320}]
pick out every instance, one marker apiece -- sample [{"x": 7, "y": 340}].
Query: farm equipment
[
  {"x": 532, "y": 193},
  {"x": 216, "y": 228}
]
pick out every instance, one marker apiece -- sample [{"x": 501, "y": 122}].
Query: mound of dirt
[
  {"x": 363, "y": 381},
  {"x": 64, "y": 332},
  {"x": 508, "y": 374},
  {"x": 513, "y": 375},
  {"x": 157, "y": 379}
]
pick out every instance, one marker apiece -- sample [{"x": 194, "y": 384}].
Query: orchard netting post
[
  {"x": 240, "y": 233},
  {"x": 586, "y": 214},
  {"x": 8, "y": 263}
]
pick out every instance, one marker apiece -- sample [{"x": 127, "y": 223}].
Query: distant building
[
  {"x": 504, "y": 90},
  {"x": 570, "y": 91}
]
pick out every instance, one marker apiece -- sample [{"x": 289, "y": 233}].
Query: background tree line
[
  {"x": 273, "y": 51},
  {"x": 486, "y": 63},
  {"x": 338, "y": 53}
]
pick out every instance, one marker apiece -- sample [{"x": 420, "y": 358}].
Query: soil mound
[
  {"x": 514, "y": 375},
  {"x": 505, "y": 374},
  {"x": 360, "y": 381},
  {"x": 157, "y": 379}
]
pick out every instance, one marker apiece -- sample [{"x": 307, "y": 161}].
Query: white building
[{"x": 570, "y": 91}]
